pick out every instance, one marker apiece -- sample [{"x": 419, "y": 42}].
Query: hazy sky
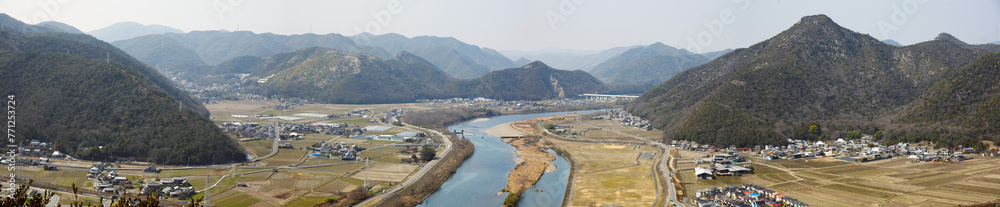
[{"x": 537, "y": 24}]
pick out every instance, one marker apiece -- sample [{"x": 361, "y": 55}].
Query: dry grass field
[{"x": 608, "y": 174}]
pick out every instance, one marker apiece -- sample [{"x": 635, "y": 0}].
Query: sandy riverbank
[{"x": 504, "y": 130}]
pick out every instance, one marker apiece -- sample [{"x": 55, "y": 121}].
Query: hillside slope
[
  {"x": 535, "y": 81},
  {"x": 815, "y": 71},
  {"x": 968, "y": 97},
  {"x": 332, "y": 76},
  {"x": 82, "y": 93}
]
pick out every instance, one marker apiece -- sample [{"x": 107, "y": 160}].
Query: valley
[{"x": 459, "y": 103}]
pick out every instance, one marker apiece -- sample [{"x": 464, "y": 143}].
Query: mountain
[
  {"x": 656, "y": 69},
  {"x": 968, "y": 97},
  {"x": 892, "y": 42},
  {"x": 522, "y": 61},
  {"x": 646, "y": 65},
  {"x": 535, "y": 81},
  {"x": 168, "y": 52},
  {"x": 59, "y": 26},
  {"x": 396, "y": 43},
  {"x": 95, "y": 102},
  {"x": 332, "y": 76},
  {"x": 452, "y": 62},
  {"x": 129, "y": 30},
  {"x": 10, "y": 23},
  {"x": 181, "y": 53},
  {"x": 567, "y": 59},
  {"x": 716, "y": 54},
  {"x": 816, "y": 73}
]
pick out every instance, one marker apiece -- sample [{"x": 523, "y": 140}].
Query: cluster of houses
[
  {"x": 627, "y": 119},
  {"x": 248, "y": 130},
  {"x": 36, "y": 148},
  {"x": 504, "y": 106},
  {"x": 725, "y": 164},
  {"x": 173, "y": 187},
  {"x": 340, "y": 150},
  {"x": 108, "y": 181},
  {"x": 852, "y": 150},
  {"x": 861, "y": 150},
  {"x": 746, "y": 195}
]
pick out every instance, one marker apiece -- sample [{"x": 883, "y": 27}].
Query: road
[
  {"x": 666, "y": 149},
  {"x": 277, "y": 140},
  {"x": 423, "y": 170}
]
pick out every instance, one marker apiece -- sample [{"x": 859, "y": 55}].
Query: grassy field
[
  {"x": 286, "y": 157},
  {"x": 894, "y": 182},
  {"x": 608, "y": 175}
]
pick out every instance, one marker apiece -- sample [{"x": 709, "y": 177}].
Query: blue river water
[{"x": 480, "y": 178}]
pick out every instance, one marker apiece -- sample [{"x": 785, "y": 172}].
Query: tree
[
  {"x": 815, "y": 130},
  {"x": 550, "y": 126},
  {"x": 414, "y": 157},
  {"x": 427, "y": 153}
]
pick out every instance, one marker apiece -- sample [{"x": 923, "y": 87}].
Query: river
[{"x": 480, "y": 178}]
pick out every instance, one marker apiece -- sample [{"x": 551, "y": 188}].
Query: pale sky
[{"x": 537, "y": 24}]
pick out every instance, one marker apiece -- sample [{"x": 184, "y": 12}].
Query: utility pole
[
  {"x": 208, "y": 185},
  {"x": 367, "y": 161}
]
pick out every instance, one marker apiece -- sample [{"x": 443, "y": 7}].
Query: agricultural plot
[
  {"x": 385, "y": 172},
  {"x": 893, "y": 182},
  {"x": 608, "y": 174}
]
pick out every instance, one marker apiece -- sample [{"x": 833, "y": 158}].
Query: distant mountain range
[
  {"x": 95, "y": 102},
  {"x": 332, "y": 76},
  {"x": 892, "y": 42},
  {"x": 571, "y": 60},
  {"x": 652, "y": 64},
  {"x": 59, "y": 26},
  {"x": 129, "y": 30},
  {"x": 817, "y": 73},
  {"x": 180, "y": 52}
]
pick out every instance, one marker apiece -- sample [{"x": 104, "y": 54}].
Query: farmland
[
  {"x": 892, "y": 182},
  {"x": 315, "y": 179}
]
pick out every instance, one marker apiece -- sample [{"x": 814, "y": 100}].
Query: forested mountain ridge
[
  {"x": 95, "y": 102},
  {"x": 188, "y": 52},
  {"x": 535, "y": 81},
  {"x": 815, "y": 71},
  {"x": 652, "y": 64},
  {"x": 969, "y": 97},
  {"x": 332, "y": 76}
]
